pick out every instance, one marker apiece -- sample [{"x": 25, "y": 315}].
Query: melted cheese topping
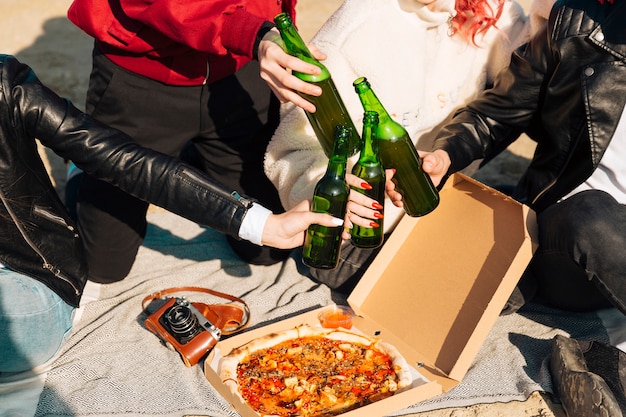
[{"x": 315, "y": 376}]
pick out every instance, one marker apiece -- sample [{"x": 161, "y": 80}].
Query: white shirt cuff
[{"x": 253, "y": 224}]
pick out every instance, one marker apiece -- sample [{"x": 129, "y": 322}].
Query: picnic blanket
[{"x": 112, "y": 365}]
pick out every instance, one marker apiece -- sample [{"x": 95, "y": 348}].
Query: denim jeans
[
  {"x": 34, "y": 322},
  {"x": 580, "y": 263}
]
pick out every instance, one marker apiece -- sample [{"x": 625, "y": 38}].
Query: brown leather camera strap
[{"x": 229, "y": 318}]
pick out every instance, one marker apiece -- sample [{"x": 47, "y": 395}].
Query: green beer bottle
[
  {"x": 397, "y": 151},
  {"x": 370, "y": 169},
  {"x": 322, "y": 244},
  {"x": 330, "y": 110}
]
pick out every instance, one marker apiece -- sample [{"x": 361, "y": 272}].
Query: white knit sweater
[{"x": 419, "y": 73}]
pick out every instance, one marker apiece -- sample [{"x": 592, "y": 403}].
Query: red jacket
[{"x": 177, "y": 42}]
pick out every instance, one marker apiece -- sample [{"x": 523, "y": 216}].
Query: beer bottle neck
[
  {"x": 339, "y": 158},
  {"x": 371, "y": 103},
  {"x": 368, "y": 145},
  {"x": 369, "y": 151},
  {"x": 336, "y": 168},
  {"x": 295, "y": 45},
  {"x": 293, "y": 41}
]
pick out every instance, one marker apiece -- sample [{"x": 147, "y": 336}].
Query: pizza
[{"x": 311, "y": 371}]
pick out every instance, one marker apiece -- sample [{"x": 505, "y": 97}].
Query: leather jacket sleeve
[
  {"x": 110, "y": 155},
  {"x": 494, "y": 120},
  {"x": 564, "y": 89}
]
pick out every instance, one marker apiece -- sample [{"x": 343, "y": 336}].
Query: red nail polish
[
  {"x": 366, "y": 186},
  {"x": 377, "y": 205},
  {"x": 379, "y": 215},
  {"x": 374, "y": 225}
]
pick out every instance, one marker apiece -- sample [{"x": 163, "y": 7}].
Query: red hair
[{"x": 475, "y": 17}]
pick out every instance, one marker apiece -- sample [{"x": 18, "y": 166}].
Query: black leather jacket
[
  {"x": 566, "y": 89},
  {"x": 37, "y": 236}
]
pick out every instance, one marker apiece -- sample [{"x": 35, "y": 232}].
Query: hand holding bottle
[
  {"x": 330, "y": 111},
  {"x": 436, "y": 164},
  {"x": 275, "y": 64},
  {"x": 323, "y": 244},
  {"x": 397, "y": 151},
  {"x": 286, "y": 230},
  {"x": 390, "y": 190},
  {"x": 369, "y": 169},
  {"x": 361, "y": 209}
]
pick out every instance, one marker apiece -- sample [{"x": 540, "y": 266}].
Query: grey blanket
[{"x": 112, "y": 365}]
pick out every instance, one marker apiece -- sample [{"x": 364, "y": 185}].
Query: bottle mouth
[
  {"x": 282, "y": 20},
  {"x": 360, "y": 84}
]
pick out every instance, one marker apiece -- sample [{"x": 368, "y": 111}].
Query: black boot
[
  {"x": 588, "y": 377},
  {"x": 610, "y": 363}
]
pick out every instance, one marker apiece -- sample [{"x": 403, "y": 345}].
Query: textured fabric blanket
[{"x": 112, "y": 365}]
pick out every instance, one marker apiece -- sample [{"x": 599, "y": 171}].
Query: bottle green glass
[
  {"x": 397, "y": 151},
  {"x": 322, "y": 243},
  {"x": 370, "y": 169},
  {"x": 330, "y": 109}
]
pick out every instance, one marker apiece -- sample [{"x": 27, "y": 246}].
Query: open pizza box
[{"x": 434, "y": 291}]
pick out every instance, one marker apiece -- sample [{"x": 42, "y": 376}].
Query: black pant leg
[
  {"x": 161, "y": 117},
  {"x": 241, "y": 116},
  {"x": 580, "y": 262}
]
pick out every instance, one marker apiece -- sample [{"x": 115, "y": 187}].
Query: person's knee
[
  {"x": 34, "y": 324},
  {"x": 586, "y": 216},
  {"x": 353, "y": 263},
  {"x": 592, "y": 219},
  {"x": 112, "y": 225}
]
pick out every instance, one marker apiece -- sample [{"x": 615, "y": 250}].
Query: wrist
[
  {"x": 263, "y": 30},
  {"x": 253, "y": 224}
]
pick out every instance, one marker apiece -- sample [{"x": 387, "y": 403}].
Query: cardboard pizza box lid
[{"x": 441, "y": 281}]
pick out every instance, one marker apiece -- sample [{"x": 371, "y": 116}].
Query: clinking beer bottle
[
  {"x": 322, "y": 244},
  {"x": 397, "y": 151},
  {"x": 330, "y": 110},
  {"x": 370, "y": 169}
]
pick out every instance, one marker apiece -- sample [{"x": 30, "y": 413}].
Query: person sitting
[
  {"x": 43, "y": 267},
  {"x": 566, "y": 89}
]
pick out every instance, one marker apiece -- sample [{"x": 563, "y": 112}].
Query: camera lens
[{"x": 182, "y": 322}]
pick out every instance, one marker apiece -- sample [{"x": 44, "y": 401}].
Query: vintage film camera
[
  {"x": 191, "y": 328},
  {"x": 184, "y": 329}
]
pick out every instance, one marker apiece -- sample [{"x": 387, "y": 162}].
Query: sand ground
[{"x": 38, "y": 33}]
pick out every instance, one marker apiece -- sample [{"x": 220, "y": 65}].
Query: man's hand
[
  {"x": 276, "y": 66},
  {"x": 435, "y": 164}
]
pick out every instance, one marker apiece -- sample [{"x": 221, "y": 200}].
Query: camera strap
[{"x": 229, "y": 318}]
